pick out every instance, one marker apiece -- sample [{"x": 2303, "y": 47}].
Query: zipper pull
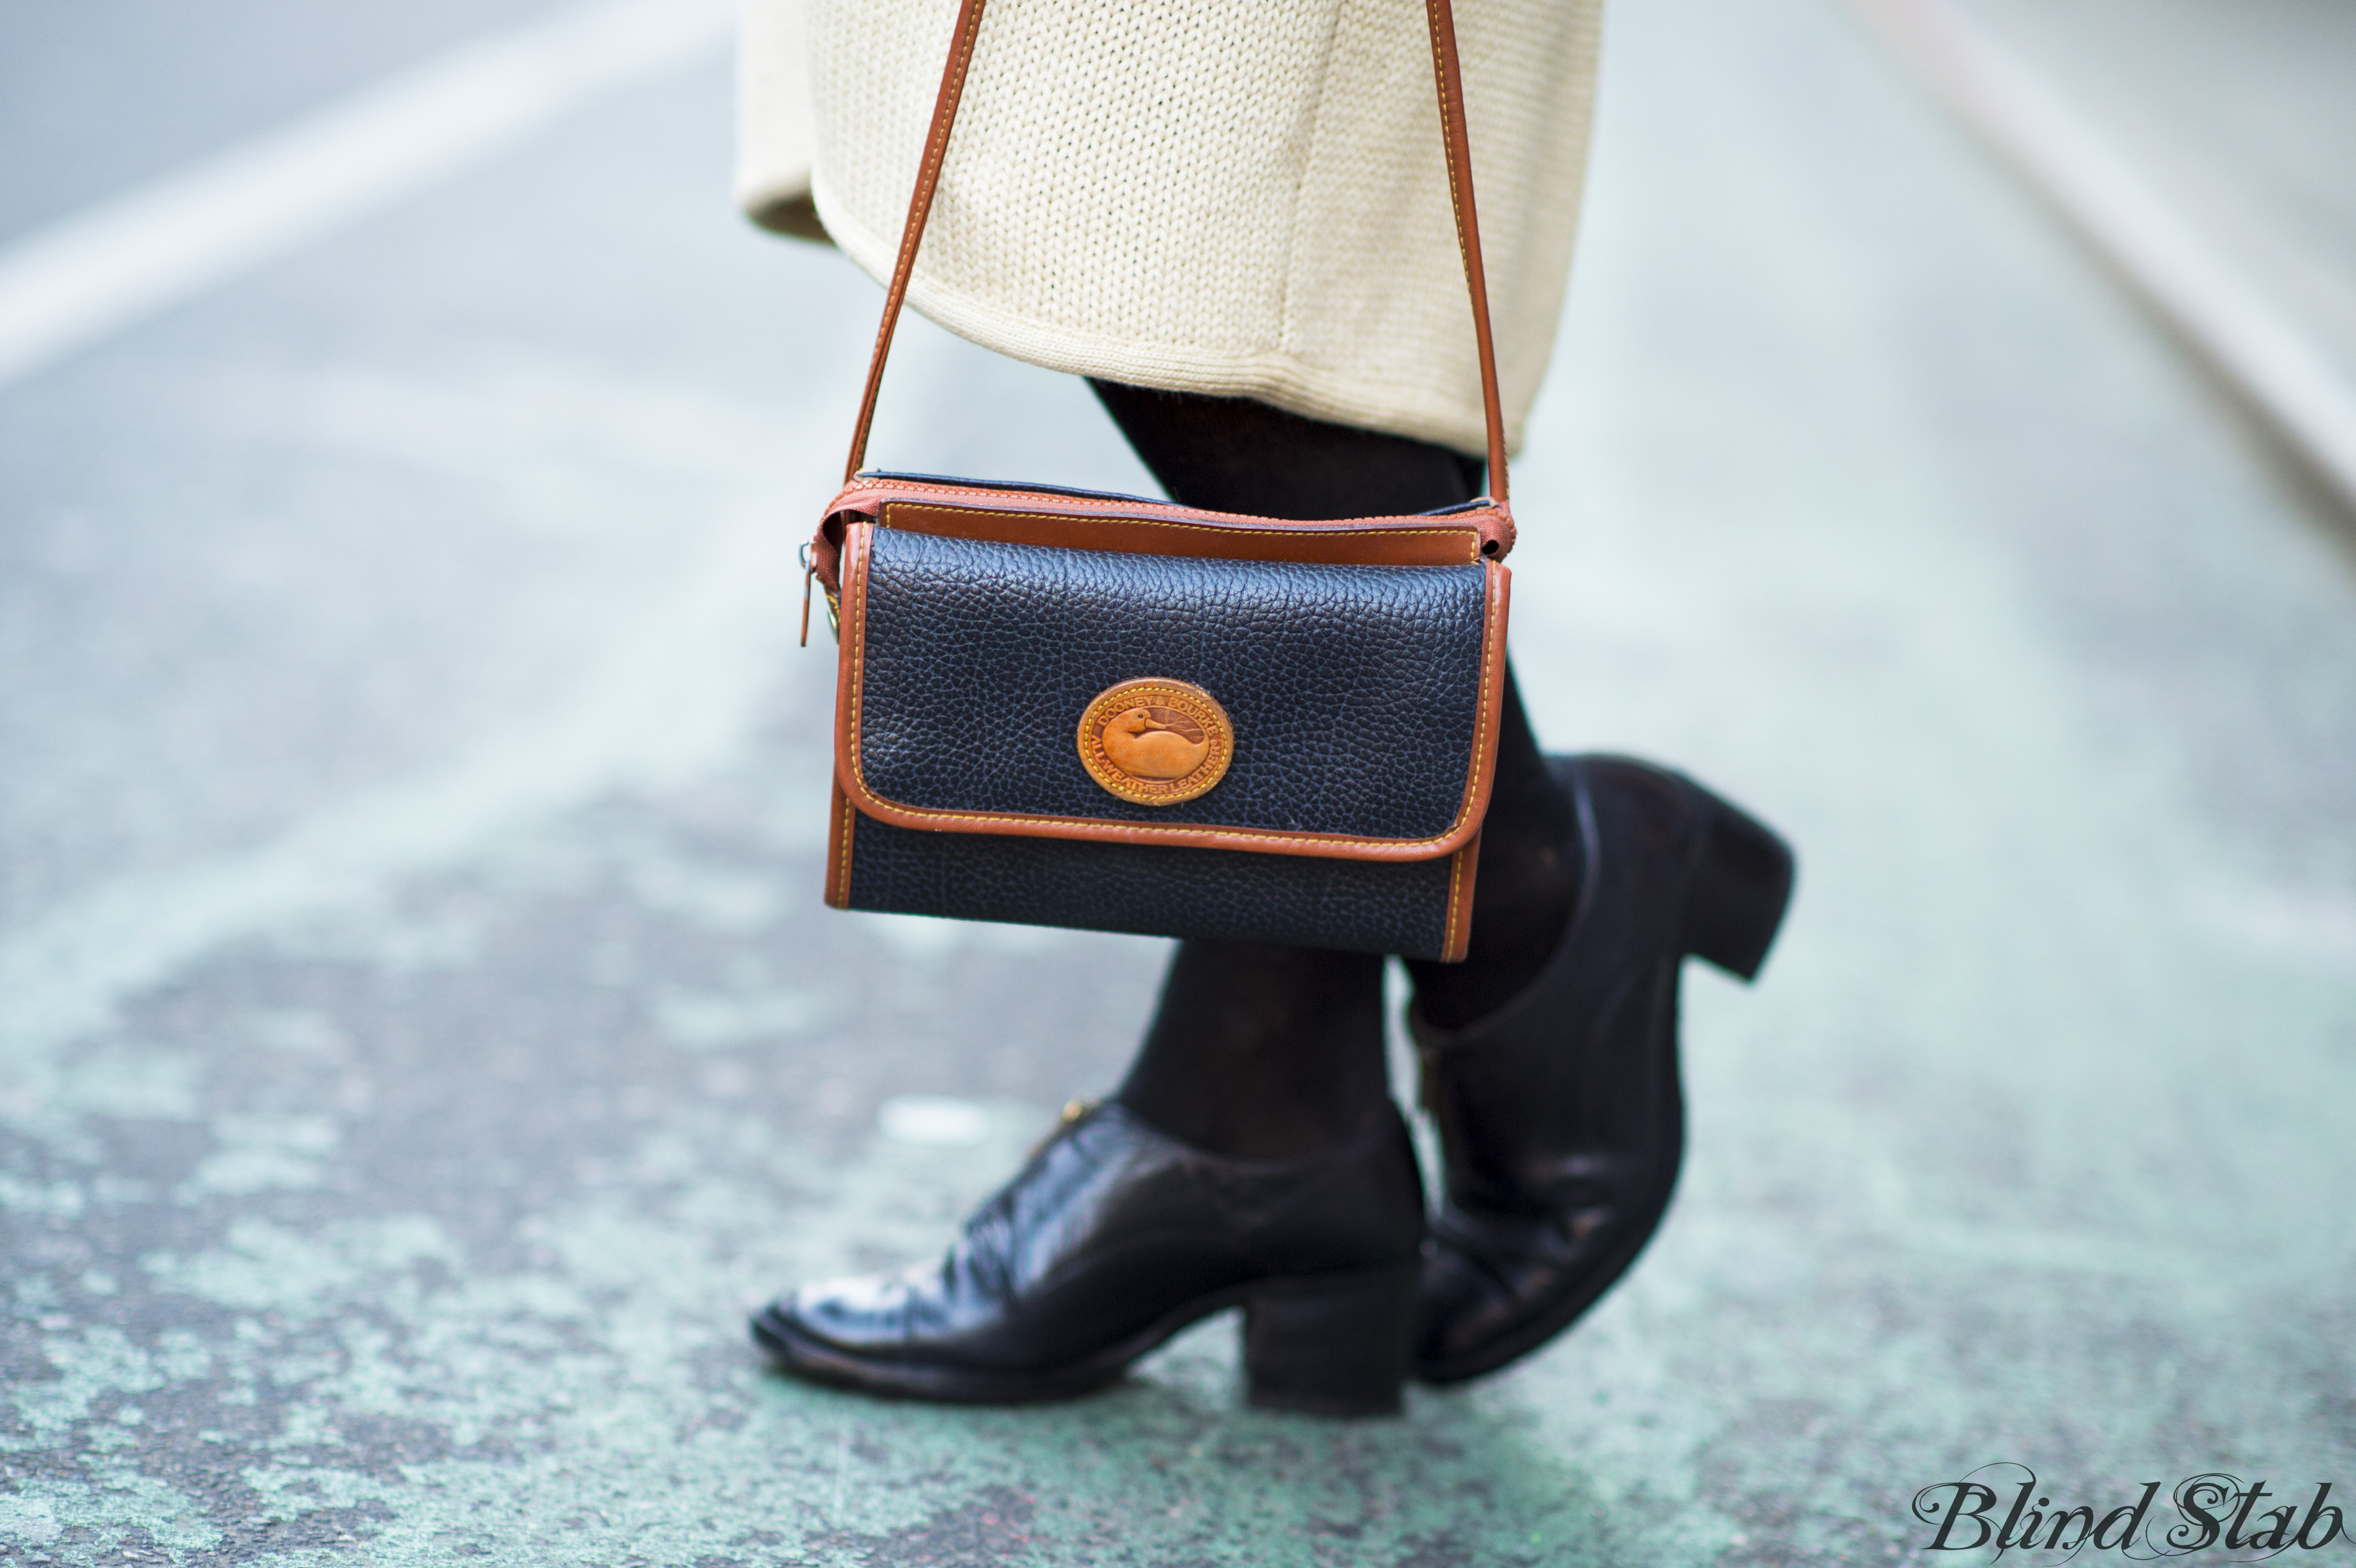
[
  {"x": 810, "y": 575},
  {"x": 833, "y": 604}
]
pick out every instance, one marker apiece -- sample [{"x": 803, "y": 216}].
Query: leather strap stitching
[
  {"x": 920, "y": 209},
  {"x": 1455, "y": 140}
]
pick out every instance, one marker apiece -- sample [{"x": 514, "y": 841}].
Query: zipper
[{"x": 883, "y": 476}]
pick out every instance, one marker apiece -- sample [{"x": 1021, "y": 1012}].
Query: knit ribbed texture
[{"x": 1245, "y": 197}]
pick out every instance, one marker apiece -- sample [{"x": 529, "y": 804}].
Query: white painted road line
[
  {"x": 66, "y": 286},
  {"x": 2223, "y": 318}
]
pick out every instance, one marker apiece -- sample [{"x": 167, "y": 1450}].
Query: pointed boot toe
[
  {"x": 1561, "y": 1117},
  {"x": 1114, "y": 1237},
  {"x": 870, "y": 1316}
]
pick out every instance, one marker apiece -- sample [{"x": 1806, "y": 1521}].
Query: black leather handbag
[{"x": 1063, "y": 708}]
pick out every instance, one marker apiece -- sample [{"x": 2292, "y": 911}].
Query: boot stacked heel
[
  {"x": 1334, "y": 1346},
  {"x": 1740, "y": 888}
]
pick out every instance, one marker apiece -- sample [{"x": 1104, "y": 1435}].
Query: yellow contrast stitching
[
  {"x": 1455, "y": 889},
  {"x": 1447, "y": 143},
  {"x": 849, "y": 821}
]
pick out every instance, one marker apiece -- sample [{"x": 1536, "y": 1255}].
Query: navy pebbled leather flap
[{"x": 1362, "y": 699}]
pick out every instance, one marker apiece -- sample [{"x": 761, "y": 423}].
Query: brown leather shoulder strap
[
  {"x": 1458, "y": 142},
  {"x": 1454, "y": 140},
  {"x": 920, "y": 207}
]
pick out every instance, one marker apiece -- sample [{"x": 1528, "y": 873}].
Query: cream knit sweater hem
[
  {"x": 1236, "y": 198},
  {"x": 1272, "y": 376}
]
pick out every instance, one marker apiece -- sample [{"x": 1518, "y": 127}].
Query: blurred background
[{"x": 421, "y": 1040}]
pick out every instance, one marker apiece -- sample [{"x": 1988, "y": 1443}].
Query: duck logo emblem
[{"x": 1156, "y": 743}]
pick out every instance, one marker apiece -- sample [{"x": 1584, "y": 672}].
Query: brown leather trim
[
  {"x": 1464, "y": 869},
  {"x": 866, "y": 496},
  {"x": 1480, "y": 775},
  {"x": 1456, "y": 141},
  {"x": 1130, "y": 524},
  {"x": 826, "y": 551},
  {"x": 840, "y": 819},
  {"x": 912, "y": 232},
  {"x": 1342, "y": 546},
  {"x": 852, "y": 612}
]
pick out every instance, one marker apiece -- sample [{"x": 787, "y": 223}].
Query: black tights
[{"x": 1263, "y": 1051}]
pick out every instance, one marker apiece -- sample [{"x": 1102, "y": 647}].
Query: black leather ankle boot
[
  {"x": 1560, "y": 1115},
  {"x": 1113, "y": 1238}
]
